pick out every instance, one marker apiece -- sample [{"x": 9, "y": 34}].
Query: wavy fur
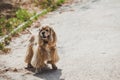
[{"x": 42, "y": 50}]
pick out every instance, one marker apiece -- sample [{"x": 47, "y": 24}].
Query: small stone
[
  {"x": 6, "y": 70},
  {"x": 15, "y": 70}
]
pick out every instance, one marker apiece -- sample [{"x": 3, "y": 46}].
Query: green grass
[
  {"x": 1, "y": 46},
  {"x": 7, "y": 25},
  {"x": 49, "y": 4},
  {"x": 23, "y": 15},
  {"x": 60, "y": 2}
]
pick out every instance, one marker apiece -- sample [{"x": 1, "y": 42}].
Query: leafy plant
[
  {"x": 1, "y": 46},
  {"x": 49, "y": 4},
  {"x": 2, "y": 20},
  {"x": 23, "y": 15},
  {"x": 14, "y": 22},
  {"x": 7, "y": 40},
  {"x": 27, "y": 25},
  {"x": 2, "y": 26},
  {"x": 1, "y": 33},
  {"x": 59, "y": 2}
]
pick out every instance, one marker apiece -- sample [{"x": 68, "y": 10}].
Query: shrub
[
  {"x": 49, "y": 4},
  {"x": 14, "y": 22},
  {"x": 7, "y": 40},
  {"x": 23, "y": 15},
  {"x": 1, "y": 46},
  {"x": 2, "y": 26},
  {"x": 1, "y": 33},
  {"x": 59, "y": 2}
]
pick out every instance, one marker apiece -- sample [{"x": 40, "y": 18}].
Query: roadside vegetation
[{"x": 12, "y": 16}]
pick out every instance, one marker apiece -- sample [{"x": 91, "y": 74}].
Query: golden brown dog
[{"x": 44, "y": 50}]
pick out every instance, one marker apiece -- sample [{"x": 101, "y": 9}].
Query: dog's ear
[
  {"x": 52, "y": 35},
  {"x": 39, "y": 37},
  {"x": 40, "y": 29}
]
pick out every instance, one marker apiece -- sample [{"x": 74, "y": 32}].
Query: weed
[
  {"x": 23, "y": 15},
  {"x": 7, "y": 40},
  {"x": 49, "y": 4},
  {"x": 59, "y": 2},
  {"x": 1, "y": 46}
]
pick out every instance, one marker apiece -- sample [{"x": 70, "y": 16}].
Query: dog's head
[
  {"x": 45, "y": 32},
  {"x": 47, "y": 35}
]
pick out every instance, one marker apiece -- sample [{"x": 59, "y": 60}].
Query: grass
[
  {"x": 49, "y": 4},
  {"x": 7, "y": 25},
  {"x": 23, "y": 15},
  {"x": 1, "y": 46},
  {"x": 60, "y": 2}
]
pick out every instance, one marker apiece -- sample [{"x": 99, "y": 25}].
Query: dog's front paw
[{"x": 54, "y": 67}]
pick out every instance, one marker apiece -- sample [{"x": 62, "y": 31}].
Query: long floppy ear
[
  {"x": 39, "y": 38},
  {"x": 53, "y": 35}
]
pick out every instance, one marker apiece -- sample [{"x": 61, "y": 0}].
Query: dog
[{"x": 42, "y": 50}]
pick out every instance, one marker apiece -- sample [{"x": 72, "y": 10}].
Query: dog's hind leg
[
  {"x": 29, "y": 56},
  {"x": 29, "y": 53}
]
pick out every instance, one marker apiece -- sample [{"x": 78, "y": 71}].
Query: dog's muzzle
[{"x": 44, "y": 35}]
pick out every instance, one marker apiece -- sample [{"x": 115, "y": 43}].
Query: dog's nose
[{"x": 43, "y": 32}]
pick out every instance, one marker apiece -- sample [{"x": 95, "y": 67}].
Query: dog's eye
[{"x": 47, "y": 30}]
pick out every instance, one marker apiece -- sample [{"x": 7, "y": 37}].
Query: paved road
[
  {"x": 89, "y": 40},
  {"x": 88, "y": 43}
]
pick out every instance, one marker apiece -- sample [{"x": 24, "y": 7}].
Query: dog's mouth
[{"x": 44, "y": 37}]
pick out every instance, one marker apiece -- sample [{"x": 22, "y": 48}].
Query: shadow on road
[{"x": 50, "y": 74}]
